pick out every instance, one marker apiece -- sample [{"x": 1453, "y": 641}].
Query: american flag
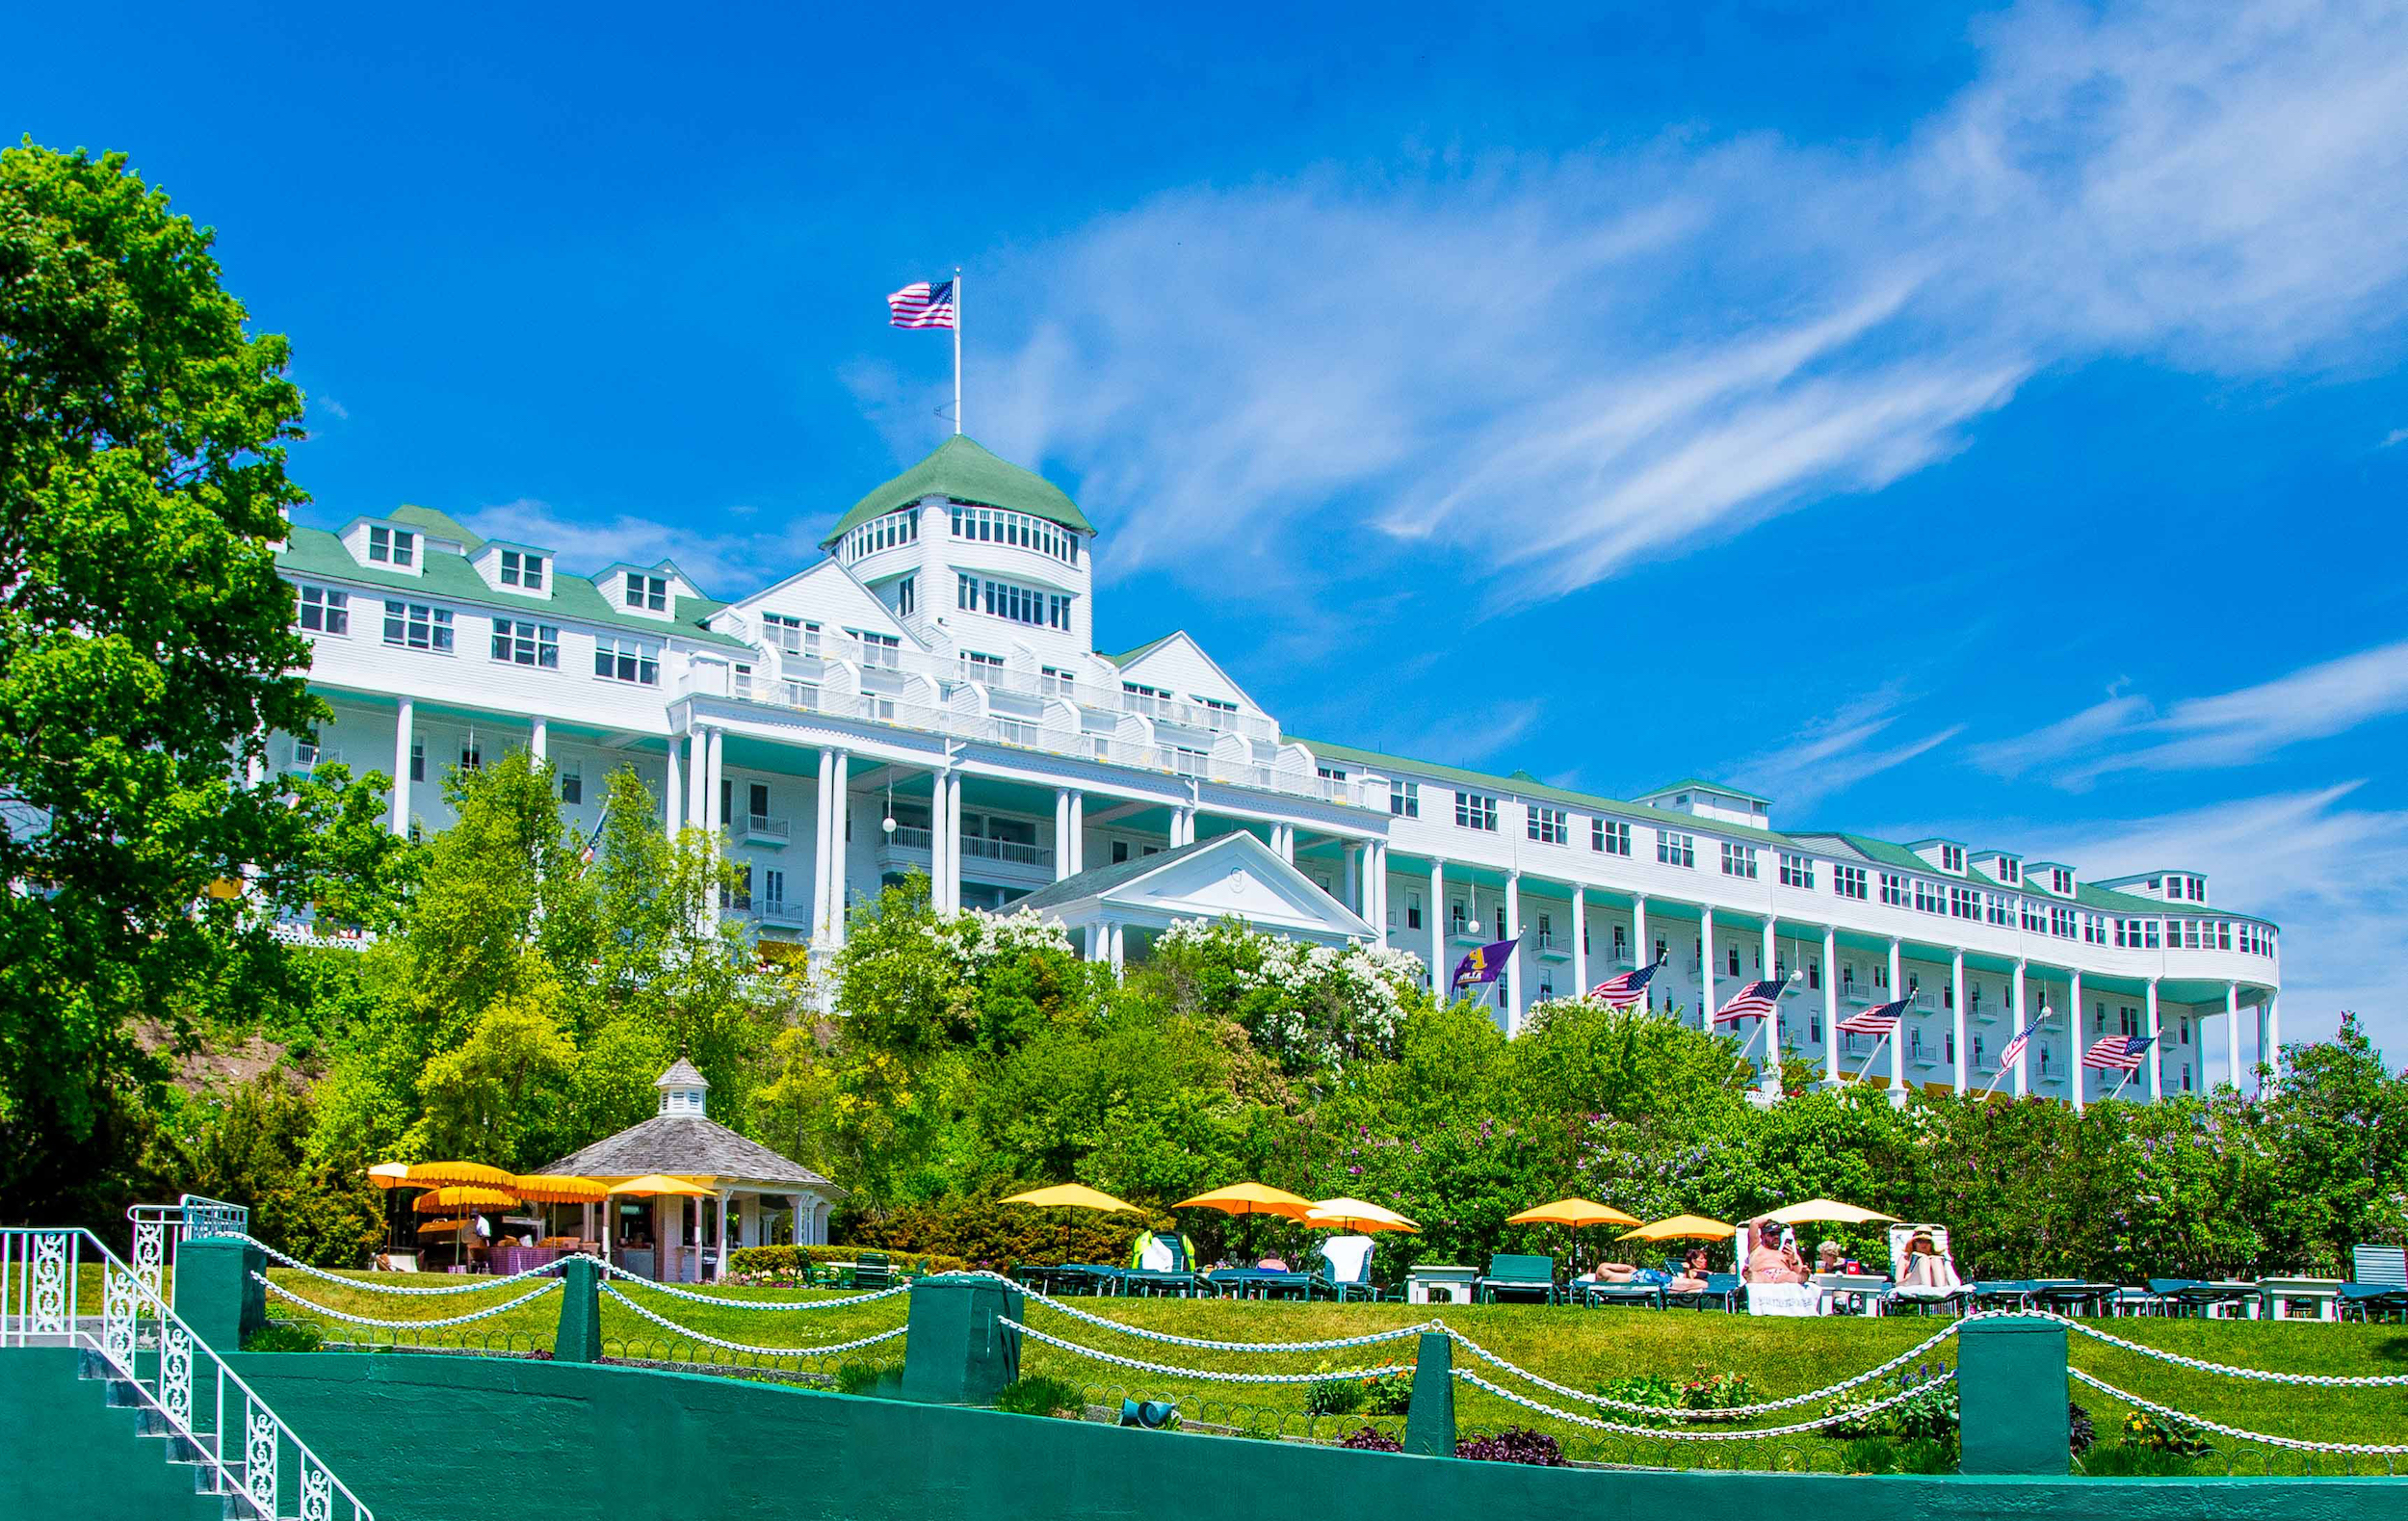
[
  {"x": 1880, "y": 1019},
  {"x": 919, "y": 305},
  {"x": 593, "y": 841},
  {"x": 1624, "y": 989},
  {"x": 1752, "y": 1001},
  {"x": 2014, "y": 1048},
  {"x": 2116, "y": 1052}
]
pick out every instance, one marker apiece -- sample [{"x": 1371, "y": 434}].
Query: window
[
  {"x": 1609, "y": 837},
  {"x": 792, "y": 634},
  {"x": 522, "y": 569},
  {"x": 1006, "y": 600},
  {"x": 975, "y": 666},
  {"x": 879, "y": 651},
  {"x": 2061, "y": 881},
  {"x": 1120, "y": 851},
  {"x": 1894, "y": 890},
  {"x": 417, "y": 760},
  {"x": 413, "y": 625},
  {"x": 1218, "y": 713},
  {"x": 1473, "y": 811},
  {"x": 471, "y": 754},
  {"x": 526, "y": 643},
  {"x": 1739, "y": 861},
  {"x": 902, "y": 527},
  {"x": 1413, "y": 911},
  {"x": 572, "y": 776},
  {"x": 1964, "y": 903},
  {"x": 1055, "y": 682},
  {"x": 392, "y": 546},
  {"x": 1404, "y": 799},
  {"x": 1796, "y": 871},
  {"x": 2002, "y": 910},
  {"x": 992, "y": 525},
  {"x": 906, "y": 596},
  {"x": 772, "y": 889},
  {"x": 1814, "y": 976},
  {"x": 1951, "y": 857},
  {"x": 1676, "y": 850},
  {"x": 647, "y": 593},
  {"x": 623, "y": 659},
  {"x": 739, "y": 893},
  {"x": 1927, "y": 896},
  {"x": 325, "y": 610},
  {"x": 1733, "y": 960},
  {"x": 2010, "y": 871},
  {"x": 1848, "y": 882},
  {"x": 2094, "y": 929},
  {"x": 1548, "y": 826},
  {"x": 1185, "y": 762},
  {"x": 306, "y": 755},
  {"x": 1328, "y": 772}
]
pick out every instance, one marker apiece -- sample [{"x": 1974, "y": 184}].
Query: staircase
[{"x": 80, "y": 1447}]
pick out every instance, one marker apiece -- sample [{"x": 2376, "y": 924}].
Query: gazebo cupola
[{"x": 682, "y": 1089}]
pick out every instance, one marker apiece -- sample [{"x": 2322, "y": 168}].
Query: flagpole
[
  {"x": 2119, "y": 1084},
  {"x": 957, "y": 351},
  {"x": 1869, "y": 1060}
]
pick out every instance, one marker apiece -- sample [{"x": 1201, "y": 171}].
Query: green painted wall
[
  {"x": 67, "y": 1455},
  {"x": 633, "y": 1445}
]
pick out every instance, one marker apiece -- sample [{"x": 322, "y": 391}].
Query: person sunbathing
[
  {"x": 1609, "y": 1273},
  {"x": 1926, "y": 1268},
  {"x": 1770, "y": 1262},
  {"x": 1692, "y": 1278}
]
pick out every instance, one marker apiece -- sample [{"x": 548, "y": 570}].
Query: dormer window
[
  {"x": 521, "y": 570},
  {"x": 2061, "y": 880},
  {"x": 392, "y": 546},
  {"x": 650, "y": 594},
  {"x": 2010, "y": 872},
  {"x": 1951, "y": 857}
]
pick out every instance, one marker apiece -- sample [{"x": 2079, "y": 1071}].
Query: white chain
[
  {"x": 666, "y": 1324},
  {"x": 716, "y": 1302},
  {"x": 2319, "y": 1381},
  {"x": 1620, "y": 1429},
  {"x": 1336, "y": 1343},
  {"x": 369, "y": 1286},
  {"x": 1205, "y": 1373},
  {"x": 332, "y": 1314},
  {"x": 2295, "y": 1444},
  {"x": 1736, "y": 1412}
]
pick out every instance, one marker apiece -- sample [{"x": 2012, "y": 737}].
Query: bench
[{"x": 1514, "y": 1274}]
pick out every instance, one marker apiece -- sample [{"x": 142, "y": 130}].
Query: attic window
[
  {"x": 391, "y": 546},
  {"x": 2010, "y": 872},
  {"x": 522, "y": 571},
  {"x": 2061, "y": 881},
  {"x": 648, "y": 592}
]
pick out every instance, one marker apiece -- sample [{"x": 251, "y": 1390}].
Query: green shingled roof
[
  {"x": 451, "y": 578},
  {"x": 435, "y": 524},
  {"x": 964, "y": 471}
]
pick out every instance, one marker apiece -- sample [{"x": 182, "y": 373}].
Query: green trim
[
  {"x": 318, "y": 555},
  {"x": 962, "y": 470},
  {"x": 1143, "y": 650}
]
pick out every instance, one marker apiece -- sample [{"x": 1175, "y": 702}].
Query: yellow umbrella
[
  {"x": 538, "y": 1188},
  {"x": 389, "y": 1174},
  {"x": 429, "y": 1174},
  {"x": 1575, "y": 1212},
  {"x": 463, "y": 1196},
  {"x": 1346, "y": 1214},
  {"x": 1831, "y": 1210},
  {"x": 1250, "y": 1199},
  {"x": 1679, "y": 1227},
  {"x": 446, "y": 1227},
  {"x": 653, "y": 1184},
  {"x": 1072, "y": 1195}
]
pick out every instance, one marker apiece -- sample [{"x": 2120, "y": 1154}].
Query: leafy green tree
[{"x": 145, "y": 644}]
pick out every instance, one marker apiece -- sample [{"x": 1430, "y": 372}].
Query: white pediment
[{"x": 1236, "y": 876}]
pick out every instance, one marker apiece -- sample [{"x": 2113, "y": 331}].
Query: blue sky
[{"x": 1984, "y": 421}]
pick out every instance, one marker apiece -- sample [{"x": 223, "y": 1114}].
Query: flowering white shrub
[
  {"x": 979, "y": 939},
  {"x": 1312, "y": 1007}
]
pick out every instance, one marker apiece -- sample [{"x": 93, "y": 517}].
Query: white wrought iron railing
[
  {"x": 242, "y": 1450},
  {"x": 160, "y": 1228}
]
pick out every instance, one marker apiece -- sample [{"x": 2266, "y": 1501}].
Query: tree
[{"x": 145, "y": 640}]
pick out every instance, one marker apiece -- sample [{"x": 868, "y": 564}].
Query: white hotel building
[{"x": 936, "y": 670}]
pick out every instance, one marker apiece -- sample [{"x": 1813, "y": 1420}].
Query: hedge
[
  {"x": 988, "y": 1233},
  {"x": 750, "y": 1261}
]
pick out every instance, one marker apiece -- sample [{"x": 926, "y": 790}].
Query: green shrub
[
  {"x": 1928, "y": 1415},
  {"x": 1703, "y": 1391},
  {"x": 1388, "y": 1394},
  {"x": 286, "y": 1336},
  {"x": 867, "y": 1378},
  {"x": 1036, "y": 1394},
  {"x": 983, "y": 1231},
  {"x": 2122, "y": 1461},
  {"x": 1333, "y": 1396},
  {"x": 2155, "y": 1433},
  {"x": 785, "y": 1266}
]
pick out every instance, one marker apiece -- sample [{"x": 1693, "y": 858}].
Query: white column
[
  {"x": 1349, "y": 876},
  {"x": 710, "y": 801},
  {"x": 953, "y": 843},
  {"x": 1897, "y": 990},
  {"x": 1120, "y": 947},
  {"x": 539, "y": 741},
  {"x": 1061, "y": 832},
  {"x": 940, "y": 809},
  {"x": 1705, "y": 969},
  {"x": 823, "y": 830},
  {"x": 1078, "y": 831},
  {"x": 801, "y": 1214},
  {"x": 1438, "y": 929},
  {"x": 1379, "y": 916},
  {"x": 1830, "y": 1004},
  {"x": 1642, "y": 949},
  {"x": 2232, "y": 1034},
  {"x": 1770, "y": 954},
  {"x": 2022, "y": 1022},
  {"x": 2157, "y": 1049},
  {"x": 2075, "y": 1048},
  {"x": 674, "y": 794},
  {"x": 1579, "y": 941},
  {"x": 1956, "y": 992},
  {"x": 697, "y": 769},
  {"x": 724, "y": 1197},
  {"x": 1287, "y": 842},
  {"x": 2270, "y": 1048},
  {"x": 404, "y": 722},
  {"x": 1517, "y": 997},
  {"x": 841, "y": 793}
]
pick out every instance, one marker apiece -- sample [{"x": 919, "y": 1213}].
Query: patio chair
[
  {"x": 1176, "y": 1277},
  {"x": 2382, "y": 1267},
  {"x": 874, "y": 1271},
  {"x": 2003, "y": 1293},
  {"x": 2130, "y": 1300},
  {"x": 1516, "y": 1273},
  {"x": 1349, "y": 1262},
  {"x": 2071, "y": 1298},
  {"x": 1923, "y": 1299},
  {"x": 1599, "y": 1292},
  {"x": 1720, "y": 1292}
]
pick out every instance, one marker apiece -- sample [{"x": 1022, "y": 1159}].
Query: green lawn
[{"x": 1577, "y": 1348}]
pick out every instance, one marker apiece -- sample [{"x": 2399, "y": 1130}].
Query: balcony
[
  {"x": 1922, "y": 1056},
  {"x": 1856, "y": 994},
  {"x": 1011, "y": 852},
  {"x": 778, "y": 911},
  {"x": 1552, "y": 947},
  {"x": 762, "y": 828},
  {"x": 1621, "y": 958}
]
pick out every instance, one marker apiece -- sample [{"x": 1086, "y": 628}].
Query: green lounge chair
[{"x": 1517, "y": 1275}]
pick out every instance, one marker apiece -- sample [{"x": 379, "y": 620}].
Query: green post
[
  {"x": 954, "y": 1352},
  {"x": 2011, "y": 1392},
  {"x": 1430, "y": 1422},
  {"x": 579, "y": 1339},
  {"x": 215, "y": 1293}
]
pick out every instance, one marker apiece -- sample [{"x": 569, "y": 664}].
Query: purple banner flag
[{"x": 1483, "y": 965}]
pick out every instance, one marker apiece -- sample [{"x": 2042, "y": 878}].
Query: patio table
[{"x": 2323, "y": 1295}]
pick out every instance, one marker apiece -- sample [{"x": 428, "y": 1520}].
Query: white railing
[
  {"x": 244, "y": 1450},
  {"x": 767, "y": 827},
  {"x": 910, "y": 837},
  {"x": 286, "y": 931},
  {"x": 1010, "y": 851},
  {"x": 158, "y": 1228}
]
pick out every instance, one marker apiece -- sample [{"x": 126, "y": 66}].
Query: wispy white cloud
[
  {"x": 724, "y": 564},
  {"x": 1834, "y": 754},
  {"x": 1551, "y": 368},
  {"x": 332, "y": 407},
  {"x": 2397, "y": 435},
  {"x": 2232, "y": 728},
  {"x": 2333, "y": 876},
  {"x": 1474, "y": 740}
]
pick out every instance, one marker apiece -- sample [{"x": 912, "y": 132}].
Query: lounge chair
[
  {"x": 2196, "y": 1297},
  {"x": 2070, "y": 1297},
  {"x": 1175, "y": 1277},
  {"x": 1924, "y": 1299},
  {"x": 1599, "y": 1292},
  {"x": 874, "y": 1271},
  {"x": 2381, "y": 1284},
  {"x": 1347, "y": 1261},
  {"x": 1514, "y": 1274}
]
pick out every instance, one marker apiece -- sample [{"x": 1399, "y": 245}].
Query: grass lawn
[{"x": 1574, "y": 1346}]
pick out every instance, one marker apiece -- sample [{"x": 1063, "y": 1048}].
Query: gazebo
[{"x": 744, "y": 1176}]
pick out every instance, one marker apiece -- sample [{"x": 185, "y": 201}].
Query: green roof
[
  {"x": 964, "y": 471},
  {"x": 437, "y": 525},
  {"x": 1143, "y": 650},
  {"x": 1700, "y": 784},
  {"x": 315, "y": 552}
]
